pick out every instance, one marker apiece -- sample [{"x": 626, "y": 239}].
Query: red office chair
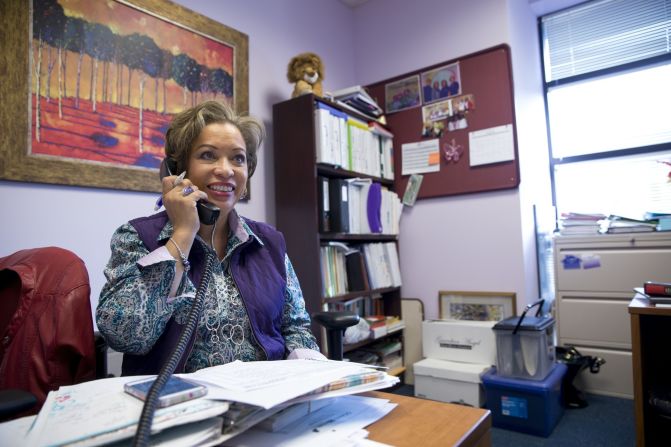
[{"x": 46, "y": 327}]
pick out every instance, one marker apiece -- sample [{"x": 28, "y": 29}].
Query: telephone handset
[{"x": 207, "y": 213}]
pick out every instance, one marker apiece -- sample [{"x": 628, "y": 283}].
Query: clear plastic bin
[{"x": 525, "y": 346}]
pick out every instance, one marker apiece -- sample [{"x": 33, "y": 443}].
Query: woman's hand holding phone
[{"x": 179, "y": 199}]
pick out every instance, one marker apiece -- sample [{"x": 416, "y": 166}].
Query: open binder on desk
[{"x": 240, "y": 395}]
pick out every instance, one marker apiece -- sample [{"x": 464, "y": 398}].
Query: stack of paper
[
  {"x": 580, "y": 223},
  {"x": 622, "y": 224},
  {"x": 100, "y": 412},
  {"x": 358, "y": 98}
]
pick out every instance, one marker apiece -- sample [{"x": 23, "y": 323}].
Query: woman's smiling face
[{"x": 218, "y": 165}]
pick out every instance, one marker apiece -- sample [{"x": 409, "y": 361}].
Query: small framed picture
[
  {"x": 479, "y": 306},
  {"x": 402, "y": 94},
  {"x": 441, "y": 83}
]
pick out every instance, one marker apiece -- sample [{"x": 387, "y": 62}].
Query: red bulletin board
[{"x": 487, "y": 75}]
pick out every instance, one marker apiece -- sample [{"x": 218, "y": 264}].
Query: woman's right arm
[{"x": 134, "y": 305}]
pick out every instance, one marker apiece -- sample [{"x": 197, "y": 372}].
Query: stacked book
[
  {"x": 381, "y": 325},
  {"x": 580, "y": 223},
  {"x": 358, "y": 98}
]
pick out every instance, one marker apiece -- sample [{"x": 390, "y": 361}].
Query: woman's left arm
[{"x": 295, "y": 318}]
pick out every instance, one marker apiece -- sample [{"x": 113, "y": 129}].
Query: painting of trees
[
  {"x": 90, "y": 87},
  {"x": 118, "y": 65}
]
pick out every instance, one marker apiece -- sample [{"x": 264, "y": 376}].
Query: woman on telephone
[{"x": 254, "y": 307}]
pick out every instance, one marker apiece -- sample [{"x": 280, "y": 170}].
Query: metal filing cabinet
[{"x": 594, "y": 281}]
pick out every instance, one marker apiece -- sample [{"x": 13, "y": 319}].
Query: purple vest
[{"x": 258, "y": 271}]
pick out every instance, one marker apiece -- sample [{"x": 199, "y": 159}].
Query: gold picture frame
[
  {"x": 480, "y": 306},
  {"x": 86, "y": 152}
]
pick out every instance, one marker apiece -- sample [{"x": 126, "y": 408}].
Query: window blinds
[{"x": 603, "y": 34}]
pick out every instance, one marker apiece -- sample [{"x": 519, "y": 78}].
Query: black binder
[
  {"x": 339, "y": 205},
  {"x": 324, "y": 204},
  {"x": 357, "y": 277}
]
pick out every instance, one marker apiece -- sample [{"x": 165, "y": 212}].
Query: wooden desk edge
[
  {"x": 642, "y": 306},
  {"x": 474, "y": 431}
]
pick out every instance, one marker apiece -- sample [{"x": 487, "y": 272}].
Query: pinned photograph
[
  {"x": 402, "y": 94},
  {"x": 441, "y": 83},
  {"x": 437, "y": 111},
  {"x": 460, "y": 106}
]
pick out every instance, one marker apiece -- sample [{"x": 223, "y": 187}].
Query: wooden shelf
[
  {"x": 334, "y": 171},
  {"x": 366, "y": 342},
  {"x": 325, "y": 237},
  {"x": 351, "y": 295},
  {"x": 297, "y": 207},
  {"x": 396, "y": 371}
]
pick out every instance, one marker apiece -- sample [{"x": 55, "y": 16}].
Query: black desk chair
[{"x": 335, "y": 324}]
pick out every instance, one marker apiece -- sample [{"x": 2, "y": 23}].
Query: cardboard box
[
  {"x": 459, "y": 341},
  {"x": 529, "y": 406},
  {"x": 448, "y": 381}
]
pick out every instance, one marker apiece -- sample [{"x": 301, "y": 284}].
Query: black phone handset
[{"x": 207, "y": 213}]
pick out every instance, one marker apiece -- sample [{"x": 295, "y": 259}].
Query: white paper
[
  {"x": 329, "y": 426},
  {"x": 269, "y": 383},
  {"x": 14, "y": 432},
  {"x": 420, "y": 157},
  {"x": 491, "y": 145},
  {"x": 99, "y": 411}
]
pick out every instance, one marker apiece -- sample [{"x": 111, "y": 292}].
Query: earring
[{"x": 244, "y": 194}]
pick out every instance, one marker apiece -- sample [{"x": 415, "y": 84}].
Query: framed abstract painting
[{"x": 91, "y": 87}]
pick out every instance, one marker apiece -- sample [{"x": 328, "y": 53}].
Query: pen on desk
[{"x": 159, "y": 201}]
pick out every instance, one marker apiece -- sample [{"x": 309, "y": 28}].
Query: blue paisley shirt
[{"x": 134, "y": 307}]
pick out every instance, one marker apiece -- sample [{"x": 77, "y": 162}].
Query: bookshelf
[{"x": 297, "y": 201}]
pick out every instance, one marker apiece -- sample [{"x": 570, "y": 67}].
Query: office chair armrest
[
  {"x": 335, "y": 324},
  {"x": 336, "y": 320},
  {"x": 14, "y": 401}
]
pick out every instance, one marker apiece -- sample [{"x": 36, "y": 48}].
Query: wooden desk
[
  {"x": 650, "y": 335},
  {"x": 421, "y": 422}
]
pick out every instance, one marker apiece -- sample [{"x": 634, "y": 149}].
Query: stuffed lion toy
[{"x": 306, "y": 70}]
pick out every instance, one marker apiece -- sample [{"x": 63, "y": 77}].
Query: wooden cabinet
[
  {"x": 650, "y": 331},
  {"x": 594, "y": 280},
  {"x": 297, "y": 202}
]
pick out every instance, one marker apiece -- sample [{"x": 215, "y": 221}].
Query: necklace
[{"x": 214, "y": 229}]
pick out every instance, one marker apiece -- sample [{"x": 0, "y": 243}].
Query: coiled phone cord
[{"x": 143, "y": 432}]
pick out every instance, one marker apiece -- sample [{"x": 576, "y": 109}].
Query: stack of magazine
[{"x": 357, "y": 97}]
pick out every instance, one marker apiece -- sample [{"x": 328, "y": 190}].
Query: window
[{"x": 607, "y": 67}]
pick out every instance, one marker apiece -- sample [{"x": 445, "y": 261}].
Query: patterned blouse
[{"x": 133, "y": 309}]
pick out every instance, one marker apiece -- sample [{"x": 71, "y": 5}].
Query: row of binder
[
  {"x": 346, "y": 269},
  {"x": 357, "y": 206},
  {"x": 353, "y": 144}
]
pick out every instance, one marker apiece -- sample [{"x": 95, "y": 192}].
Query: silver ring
[{"x": 187, "y": 190}]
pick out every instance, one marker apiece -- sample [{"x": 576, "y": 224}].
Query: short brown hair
[{"x": 187, "y": 125}]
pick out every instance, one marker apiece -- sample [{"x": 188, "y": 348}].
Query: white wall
[
  {"x": 470, "y": 242},
  {"x": 83, "y": 219},
  {"x": 484, "y": 241}
]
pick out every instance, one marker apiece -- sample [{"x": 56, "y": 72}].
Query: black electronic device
[{"x": 207, "y": 213}]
